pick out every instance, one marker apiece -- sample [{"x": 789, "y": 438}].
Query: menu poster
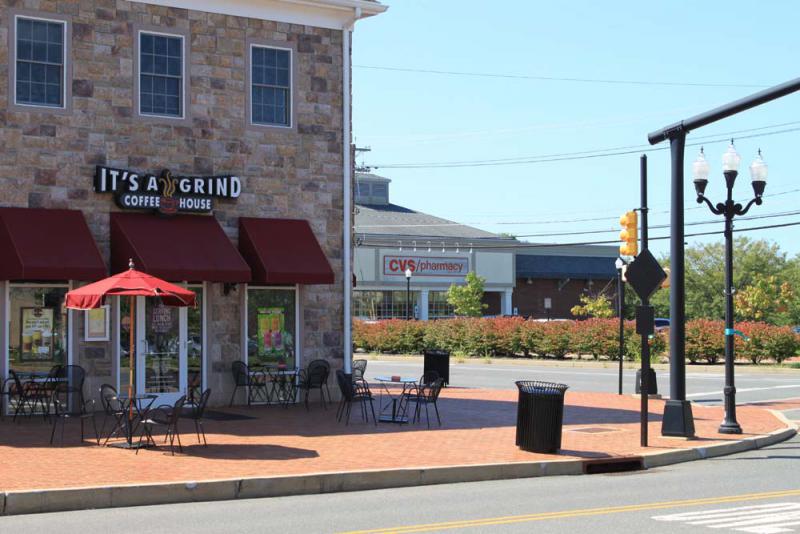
[
  {"x": 97, "y": 324},
  {"x": 161, "y": 319},
  {"x": 36, "y": 343},
  {"x": 271, "y": 333}
]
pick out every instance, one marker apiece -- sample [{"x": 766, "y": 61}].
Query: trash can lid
[{"x": 541, "y": 388}]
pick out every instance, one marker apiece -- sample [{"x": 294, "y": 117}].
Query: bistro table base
[{"x": 131, "y": 446}]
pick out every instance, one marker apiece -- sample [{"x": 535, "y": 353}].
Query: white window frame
[
  {"x": 184, "y": 93},
  {"x": 64, "y": 66},
  {"x": 251, "y": 83},
  {"x": 298, "y": 349}
]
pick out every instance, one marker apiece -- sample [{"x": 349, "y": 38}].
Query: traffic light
[{"x": 629, "y": 234}]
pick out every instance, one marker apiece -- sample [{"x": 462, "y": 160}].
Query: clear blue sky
[{"x": 411, "y": 117}]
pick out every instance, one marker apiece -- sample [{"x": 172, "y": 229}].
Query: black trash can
[
  {"x": 540, "y": 414},
  {"x": 439, "y": 361},
  {"x": 652, "y": 383}
]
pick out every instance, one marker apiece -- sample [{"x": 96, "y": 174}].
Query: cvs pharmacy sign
[{"x": 425, "y": 266}]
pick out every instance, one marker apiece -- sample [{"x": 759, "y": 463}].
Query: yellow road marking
[{"x": 506, "y": 520}]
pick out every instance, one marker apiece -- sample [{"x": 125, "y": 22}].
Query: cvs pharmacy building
[{"x": 211, "y": 147}]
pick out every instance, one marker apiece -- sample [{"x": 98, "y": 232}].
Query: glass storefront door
[{"x": 162, "y": 350}]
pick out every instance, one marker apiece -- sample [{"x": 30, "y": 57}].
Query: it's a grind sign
[{"x": 165, "y": 193}]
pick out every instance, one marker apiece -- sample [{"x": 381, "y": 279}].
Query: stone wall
[{"x": 48, "y": 159}]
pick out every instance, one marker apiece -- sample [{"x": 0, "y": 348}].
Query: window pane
[
  {"x": 39, "y": 31},
  {"x": 24, "y": 50},
  {"x": 38, "y": 93},
  {"x": 53, "y": 75},
  {"x": 39, "y": 51},
  {"x": 23, "y": 91},
  {"x": 147, "y": 43},
  {"x": 53, "y": 95},
  {"x": 282, "y": 78},
  {"x": 174, "y": 66},
  {"x": 174, "y": 47},
  {"x": 160, "y": 45},
  {"x": 38, "y": 329},
  {"x": 54, "y": 54},
  {"x": 146, "y": 104},
  {"x": 271, "y": 327},
  {"x": 55, "y": 33},
  {"x": 23, "y": 71},
  {"x": 24, "y": 29},
  {"x": 282, "y": 59},
  {"x": 160, "y": 65}
]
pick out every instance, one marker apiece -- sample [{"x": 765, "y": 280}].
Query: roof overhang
[{"x": 332, "y": 14}]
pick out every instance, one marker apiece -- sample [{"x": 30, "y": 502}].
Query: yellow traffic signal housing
[{"x": 629, "y": 234}]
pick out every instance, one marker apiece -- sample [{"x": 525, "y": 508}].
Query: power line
[
  {"x": 582, "y": 243},
  {"x": 661, "y": 226},
  {"x": 560, "y": 79},
  {"x": 551, "y": 221},
  {"x": 572, "y": 156}
]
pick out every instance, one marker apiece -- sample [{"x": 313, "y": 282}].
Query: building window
[
  {"x": 160, "y": 75},
  {"x": 438, "y": 307},
  {"x": 38, "y": 331},
  {"x": 375, "y": 305},
  {"x": 40, "y": 62},
  {"x": 271, "y": 80},
  {"x": 271, "y": 327}
]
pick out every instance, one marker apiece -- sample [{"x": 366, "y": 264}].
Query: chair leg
[
  {"x": 372, "y": 407},
  {"x": 96, "y": 435},
  {"x": 308, "y": 392},
  {"x": 203, "y": 432},
  {"x": 436, "y": 407},
  {"x": 233, "y": 395},
  {"x": 427, "y": 416},
  {"x": 347, "y": 419},
  {"x": 53, "y": 432}
]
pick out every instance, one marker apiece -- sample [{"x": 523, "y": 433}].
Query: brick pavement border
[{"x": 59, "y": 500}]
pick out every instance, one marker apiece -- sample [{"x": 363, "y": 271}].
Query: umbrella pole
[{"x": 130, "y": 370}]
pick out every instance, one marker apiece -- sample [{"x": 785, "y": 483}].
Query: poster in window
[
  {"x": 36, "y": 343},
  {"x": 97, "y": 324},
  {"x": 272, "y": 336}
]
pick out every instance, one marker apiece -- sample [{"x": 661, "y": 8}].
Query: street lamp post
[
  {"x": 729, "y": 209},
  {"x": 408, "y": 294}
]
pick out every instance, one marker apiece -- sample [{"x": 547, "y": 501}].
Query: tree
[
  {"x": 598, "y": 306},
  {"x": 766, "y": 298},
  {"x": 466, "y": 299},
  {"x": 705, "y": 278}
]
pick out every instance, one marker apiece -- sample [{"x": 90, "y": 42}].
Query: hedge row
[{"x": 514, "y": 336}]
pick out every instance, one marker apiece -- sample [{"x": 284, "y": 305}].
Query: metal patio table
[
  {"x": 395, "y": 401},
  {"x": 141, "y": 405}
]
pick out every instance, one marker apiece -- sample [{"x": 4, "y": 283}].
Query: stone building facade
[{"x": 50, "y": 155}]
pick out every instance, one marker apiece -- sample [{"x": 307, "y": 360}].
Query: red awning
[
  {"x": 283, "y": 251},
  {"x": 184, "y": 247},
  {"x": 45, "y": 244}
]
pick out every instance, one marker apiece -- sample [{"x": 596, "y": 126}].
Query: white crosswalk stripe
[{"x": 774, "y": 518}]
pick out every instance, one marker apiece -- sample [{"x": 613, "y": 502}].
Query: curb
[{"x": 61, "y": 500}]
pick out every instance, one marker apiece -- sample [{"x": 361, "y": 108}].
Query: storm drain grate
[
  {"x": 613, "y": 465},
  {"x": 594, "y": 430}
]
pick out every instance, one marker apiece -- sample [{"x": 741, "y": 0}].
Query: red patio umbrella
[{"x": 131, "y": 283}]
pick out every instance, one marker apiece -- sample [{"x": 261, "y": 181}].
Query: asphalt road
[
  {"x": 701, "y": 387},
  {"x": 757, "y": 491}
]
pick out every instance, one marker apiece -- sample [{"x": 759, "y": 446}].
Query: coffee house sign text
[{"x": 165, "y": 193}]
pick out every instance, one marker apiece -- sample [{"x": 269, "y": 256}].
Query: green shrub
[{"x": 705, "y": 340}]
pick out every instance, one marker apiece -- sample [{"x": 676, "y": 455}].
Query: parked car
[{"x": 661, "y": 323}]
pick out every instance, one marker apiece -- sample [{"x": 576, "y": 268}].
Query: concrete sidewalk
[{"x": 268, "y": 451}]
